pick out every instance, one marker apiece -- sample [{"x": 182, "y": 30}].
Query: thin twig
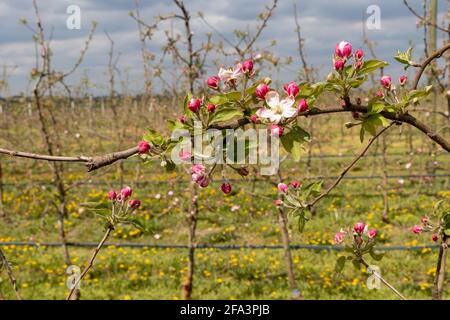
[
  {"x": 91, "y": 261},
  {"x": 10, "y": 273},
  {"x": 348, "y": 168}
]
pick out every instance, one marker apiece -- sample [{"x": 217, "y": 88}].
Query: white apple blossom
[
  {"x": 230, "y": 74},
  {"x": 278, "y": 109}
]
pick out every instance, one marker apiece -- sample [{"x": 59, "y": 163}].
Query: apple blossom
[
  {"x": 143, "y": 147},
  {"x": 386, "y": 81},
  {"x": 182, "y": 119},
  {"x": 343, "y": 49},
  {"x": 359, "y": 227},
  {"x": 261, "y": 90},
  {"x": 435, "y": 237},
  {"x": 126, "y": 192},
  {"x": 372, "y": 233},
  {"x": 339, "y": 65},
  {"x": 211, "y": 107},
  {"x": 247, "y": 66},
  {"x": 339, "y": 237},
  {"x": 254, "y": 118},
  {"x": 295, "y": 184},
  {"x": 278, "y": 202},
  {"x": 291, "y": 89},
  {"x": 112, "y": 195},
  {"x": 403, "y": 80},
  {"x": 226, "y": 188},
  {"x": 198, "y": 168},
  {"x": 134, "y": 203},
  {"x": 424, "y": 220},
  {"x": 302, "y": 105},
  {"x": 276, "y": 130},
  {"x": 185, "y": 155},
  {"x": 359, "y": 54},
  {"x": 230, "y": 75},
  {"x": 417, "y": 229},
  {"x": 194, "y": 105},
  {"x": 213, "y": 82},
  {"x": 282, "y": 187},
  {"x": 278, "y": 109}
]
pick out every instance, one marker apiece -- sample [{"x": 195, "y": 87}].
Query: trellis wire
[{"x": 210, "y": 246}]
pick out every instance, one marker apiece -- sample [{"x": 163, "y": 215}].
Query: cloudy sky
[{"x": 323, "y": 23}]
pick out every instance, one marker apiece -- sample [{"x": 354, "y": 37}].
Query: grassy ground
[{"x": 247, "y": 216}]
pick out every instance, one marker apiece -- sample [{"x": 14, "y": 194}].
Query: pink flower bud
[
  {"x": 343, "y": 49},
  {"x": 278, "y": 202},
  {"x": 339, "y": 65},
  {"x": 254, "y": 118},
  {"x": 182, "y": 119},
  {"x": 291, "y": 89},
  {"x": 185, "y": 155},
  {"x": 295, "y": 184},
  {"x": 302, "y": 105},
  {"x": 213, "y": 82},
  {"x": 276, "y": 130},
  {"x": 386, "y": 81},
  {"x": 194, "y": 105},
  {"x": 424, "y": 220},
  {"x": 143, "y": 147},
  {"x": 226, "y": 188},
  {"x": 112, "y": 195},
  {"x": 247, "y": 66},
  {"x": 403, "y": 80},
  {"x": 359, "y": 54},
  {"x": 379, "y": 94},
  {"x": 211, "y": 107},
  {"x": 204, "y": 181},
  {"x": 198, "y": 168},
  {"x": 435, "y": 237},
  {"x": 282, "y": 187},
  {"x": 359, "y": 227},
  {"x": 372, "y": 233},
  {"x": 358, "y": 65},
  {"x": 261, "y": 90},
  {"x": 134, "y": 203},
  {"x": 417, "y": 229},
  {"x": 339, "y": 237},
  {"x": 126, "y": 192}
]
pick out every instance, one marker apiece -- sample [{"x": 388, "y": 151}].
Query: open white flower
[
  {"x": 278, "y": 110},
  {"x": 230, "y": 74}
]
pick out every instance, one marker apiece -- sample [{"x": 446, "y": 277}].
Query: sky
[{"x": 323, "y": 24}]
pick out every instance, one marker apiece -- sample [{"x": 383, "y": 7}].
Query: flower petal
[
  {"x": 275, "y": 118},
  {"x": 264, "y": 113},
  {"x": 287, "y": 103},
  {"x": 272, "y": 99}
]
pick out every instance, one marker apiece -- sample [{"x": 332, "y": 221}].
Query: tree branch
[{"x": 435, "y": 55}]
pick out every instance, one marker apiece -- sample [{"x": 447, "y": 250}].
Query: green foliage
[
  {"x": 225, "y": 114},
  {"x": 293, "y": 141},
  {"x": 404, "y": 57}
]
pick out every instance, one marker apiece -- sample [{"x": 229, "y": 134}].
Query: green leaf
[
  {"x": 415, "y": 95},
  {"x": 447, "y": 232},
  {"x": 293, "y": 140},
  {"x": 356, "y": 83},
  {"x": 376, "y": 255},
  {"x": 218, "y": 99},
  {"x": 137, "y": 223},
  {"x": 371, "y": 123},
  {"x": 340, "y": 264},
  {"x": 404, "y": 57},
  {"x": 376, "y": 107},
  {"x": 356, "y": 264},
  {"x": 361, "y": 134},
  {"x": 225, "y": 114},
  {"x": 153, "y": 137},
  {"x": 233, "y": 96},
  {"x": 371, "y": 65}
]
